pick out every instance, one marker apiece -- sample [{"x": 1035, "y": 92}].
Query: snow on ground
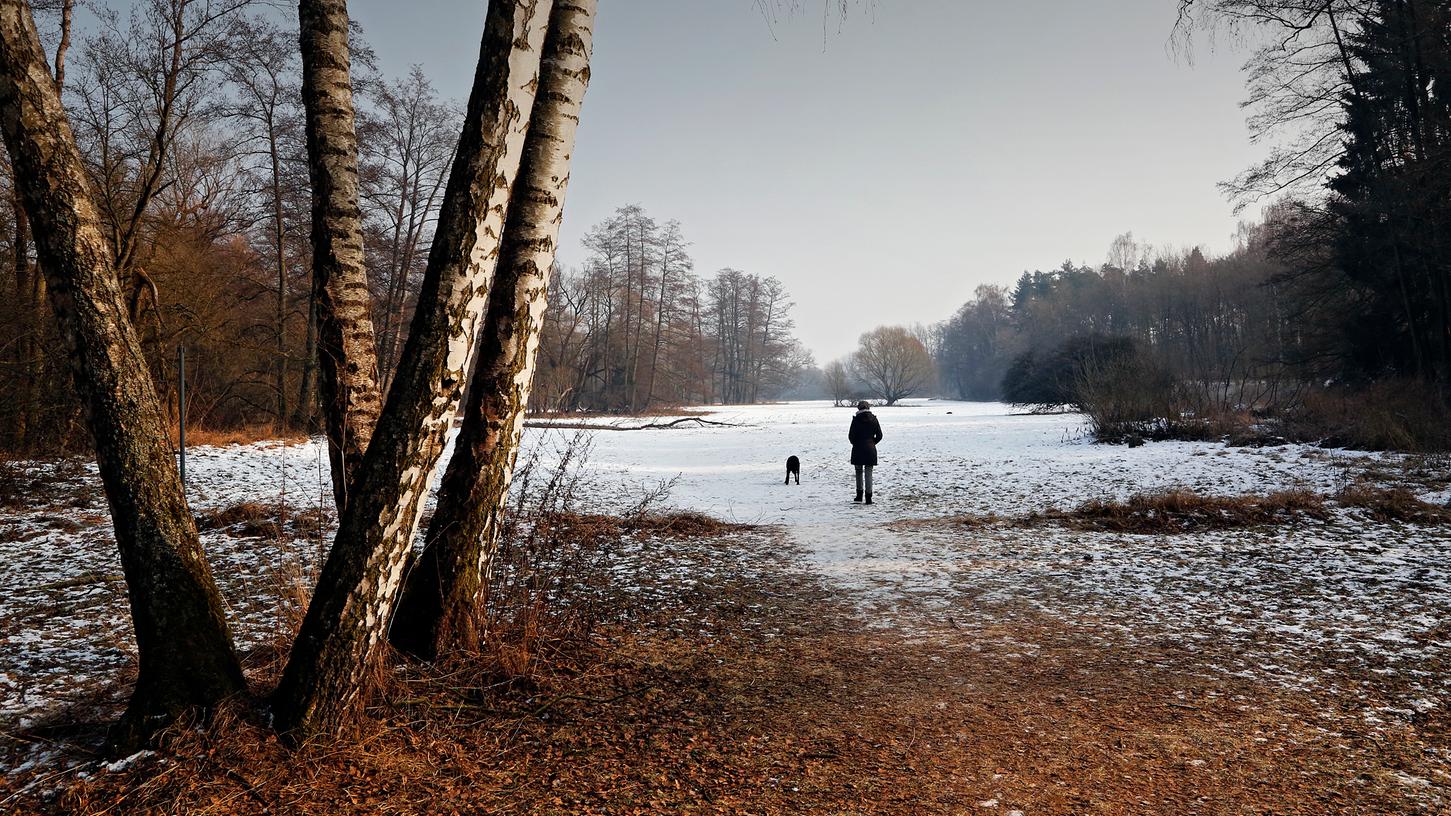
[
  {"x": 938, "y": 458},
  {"x": 1303, "y": 605},
  {"x": 1299, "y": 605}
]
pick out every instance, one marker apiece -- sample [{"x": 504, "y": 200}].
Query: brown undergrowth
[
  {"x": 240, "y": 435},
  {"x": 1184, "y": 511},
  {"x": 777, "y": 701}
]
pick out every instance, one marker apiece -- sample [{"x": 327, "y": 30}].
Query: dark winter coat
[{"x": 865, "y": 433}]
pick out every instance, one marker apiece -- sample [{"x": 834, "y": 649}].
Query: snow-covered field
[
  {"x": 938, "y": 457},
  {"x": 1344, "y": 603}
]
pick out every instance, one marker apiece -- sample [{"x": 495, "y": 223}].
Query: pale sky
[{"x": 883, "y": 169}]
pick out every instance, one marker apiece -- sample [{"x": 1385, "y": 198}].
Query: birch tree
[
  {"x": 347, "y": 619},
  {"x": 440, "y": 602},
  {"x": 346, "y": 350},
  {"x": 185, "y": 652}
]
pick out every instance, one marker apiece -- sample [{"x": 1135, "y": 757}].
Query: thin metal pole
[{"x": 181, "y": 406}]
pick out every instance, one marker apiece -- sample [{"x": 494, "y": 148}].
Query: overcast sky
[{"x": 884, "y": 169}]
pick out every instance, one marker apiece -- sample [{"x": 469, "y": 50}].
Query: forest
[
  {"x": 1330, "y": 317},
  {"x": 195, "y": 149}
]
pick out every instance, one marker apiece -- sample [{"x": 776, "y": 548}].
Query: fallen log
[{"x": 649, "y": 426}]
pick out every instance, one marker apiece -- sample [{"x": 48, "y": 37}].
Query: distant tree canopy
[
  {"x": 1349, "y": 282},
  {"x": 1221, "y": 321},
  {"x": 1054, "y": 377},
  {"x": 636, "y": 327},
  {"x": 892, "y": 364}
]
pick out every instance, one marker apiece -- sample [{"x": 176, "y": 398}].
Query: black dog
[{"x": 793, "y": 468}]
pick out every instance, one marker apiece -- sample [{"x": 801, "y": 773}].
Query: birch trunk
[
  {"x": 347, "y": 353},
  {"x": 347, "y": 620},
  {"x": 439, "y": 608},
  {"x": 186, "y": 656}
]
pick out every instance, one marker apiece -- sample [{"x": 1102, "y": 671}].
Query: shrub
[
  {"x": 1127, "y": 397},
  {"x": 1051, "y": 378},
  {"x": 1399, "y": 415}
]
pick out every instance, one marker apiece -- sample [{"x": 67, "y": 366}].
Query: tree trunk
[
  {"x": 186, "y": 656},
  {"x": 439, "y": 608},
  {"x": 348, "y": 618},
  {"x": 26, "y": 329},
  {"x": 279, "y": 246},
  {"x": 305, "y": 412},
  {"x": 347, "y": 354}
]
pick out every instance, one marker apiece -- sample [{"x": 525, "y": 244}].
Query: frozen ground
[
  {"x": 937, "y": 458},
  {"x": 1301, "y": 605},
  {"x": 1345, "y": 606}
]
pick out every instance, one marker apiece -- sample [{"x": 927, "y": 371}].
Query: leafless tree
[
  {"x": 186, "y": 656},
  {"x": 892, "y": 363}
]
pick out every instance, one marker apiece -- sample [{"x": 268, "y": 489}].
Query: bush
[
  {"x": 1127, "y": 398},
  {"x": 1051, "y": 378},
  {"x": 1400, "y": 415}
]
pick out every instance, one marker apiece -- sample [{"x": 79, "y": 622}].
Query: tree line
[
  {"x": 1221, "y": 322},
  {"x": 636, "y": 327},
  {"x": 1342, "y": 287}
]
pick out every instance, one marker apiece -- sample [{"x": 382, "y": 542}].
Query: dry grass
[
  {"x": 245, "y": 519},
  {"x": 1392, "y": 504},
  {"x": 1177, "y": 511},
  {"x": 1172, "y": 511},
  {"x": 816, "y": 717},
  {"x": 258, "y": 520},
  {"x": 665, "y": 525},
  {"x": 245, "y": 435}
]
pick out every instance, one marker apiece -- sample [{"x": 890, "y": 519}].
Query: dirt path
[{"x": 1042, "y": 671}]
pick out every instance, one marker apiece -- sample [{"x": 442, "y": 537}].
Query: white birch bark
[
  {"x": 440, "y": 601},
  {"x": 356, "y": 593}
]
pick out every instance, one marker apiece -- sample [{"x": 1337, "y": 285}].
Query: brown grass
[
  {"x": 1172, "y": 511},
  {"x": 244, "y": 519},
  {"x": 665, "y": 525},
  {"x": 824, "y": 719},
  {"x": 259, "y": 520},
  {"x": 245, "y": 435},
  {"x": 1392, "y": 504},
  {"x": 1177, "y": 511}
]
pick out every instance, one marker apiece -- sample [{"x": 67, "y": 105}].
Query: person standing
[{"x": 865, "y": 433}]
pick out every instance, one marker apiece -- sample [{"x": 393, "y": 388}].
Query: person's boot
[
  {"x": 869, "y": 498},
  {"x": 858, "y": 496}
]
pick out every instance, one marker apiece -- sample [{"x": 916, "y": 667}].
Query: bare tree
[
  {"x": 1297, "y": 80},
  {"x": 408, "y": 137},
  {"x": 837, "y": 381},
  {"x": 892, "y": 363},
  {"x": 186, "y": 656},
  {"x": 262, "y": 72}
]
